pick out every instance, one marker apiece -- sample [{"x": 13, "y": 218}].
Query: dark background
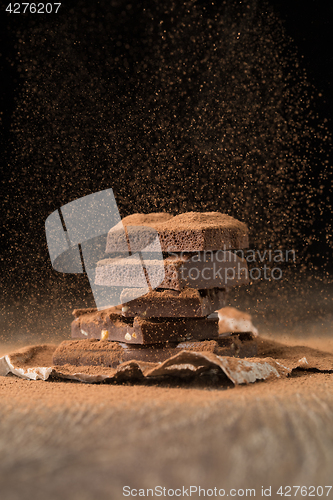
[{"x": 85, "y": 106}]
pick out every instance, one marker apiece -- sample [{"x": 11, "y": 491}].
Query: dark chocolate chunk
[
  {"x": 106, "y": 325},
  {"x": 171, "y": 303}
]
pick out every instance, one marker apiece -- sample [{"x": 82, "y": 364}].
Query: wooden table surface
[{"x": 64, "y": 440}]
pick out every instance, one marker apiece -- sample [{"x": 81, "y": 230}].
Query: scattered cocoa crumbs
[
  {"x": 205, "y": 346},
  {"x": 88, "y": 370},
  {"x": 291, "y": 355}
]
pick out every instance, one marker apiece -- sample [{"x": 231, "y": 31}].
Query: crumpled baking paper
[
  {"x": 278, "y": 361},
  {"x": 183, "y": 364},
  {"x": 7, "y": 365}
]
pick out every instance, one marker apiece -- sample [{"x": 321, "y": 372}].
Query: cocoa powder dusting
[
  {"x": 38, "y": 356},
  {"x": 90, "y": 352},
  {"x": 106, "y": 355},
  {"x": 203, "y": 346},
  {"x": 68, "y": 369}
]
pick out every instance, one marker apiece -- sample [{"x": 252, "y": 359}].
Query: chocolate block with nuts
[{"x": 108, "y": 325}]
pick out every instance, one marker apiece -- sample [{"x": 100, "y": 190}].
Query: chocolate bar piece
[
  {"x": 203, "y": 270},
  {"x": 189, "y": 232},
  {"x": 187, "y": 303},
  {"x": 106, "y": 325},
  {"x": 111, "y": 354},
  {"x": 135, "y": 232}
]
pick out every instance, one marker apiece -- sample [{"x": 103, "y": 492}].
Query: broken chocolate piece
[
  {"x": 203, "y": 270},
  {"x": 111, "y": 354},
  {"x": 143, "y": 331},
  {"x": 190, "y": 232},
  {"x": 187, "y": 303}
]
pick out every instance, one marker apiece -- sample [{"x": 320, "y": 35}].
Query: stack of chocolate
[{"x": 173, "y": 273}]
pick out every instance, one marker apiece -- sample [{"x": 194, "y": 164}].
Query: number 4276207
[{"x": 33, "y": 8}]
